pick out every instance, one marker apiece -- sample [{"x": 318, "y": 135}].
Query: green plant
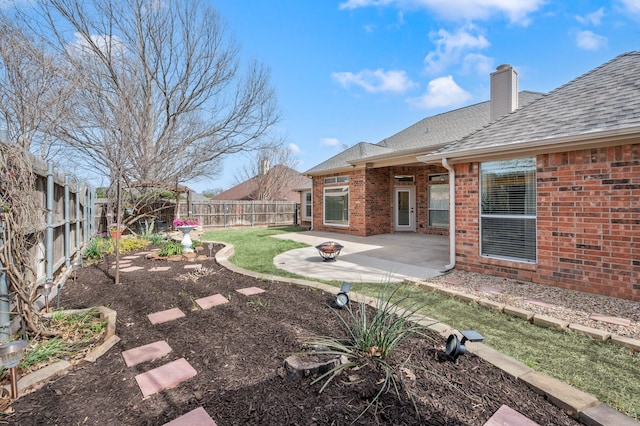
[
  {"x": 171, "y": 248},
  {"x": 373, "y": 336},
  {"x": 147, "y": 229},
  {"x": 97, "y": 248},
  {"x": 156, "y": 238},
  {"x": 257, "y": 304},
  {"x": 132, "y": 244}
]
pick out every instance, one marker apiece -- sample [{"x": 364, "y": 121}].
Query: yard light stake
[
  {"x": 75, "y": 266},
  {"x": 342, "y": 298},
  {"x": 10, "y": 356},
  {"x": 45, "y": 290},
  {"x": 455, "y": 347}
]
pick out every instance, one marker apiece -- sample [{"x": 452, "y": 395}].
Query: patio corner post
[
  {"x": 452, "y": 215},
  {"x": 49, "y": 233},
  {"x": 5, "y": 308}
]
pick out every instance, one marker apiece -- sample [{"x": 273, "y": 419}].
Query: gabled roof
[
  {"x": 422, "y": 137},
  {"x": 248, "y": 189},
  {"x": 603, "y": 103}
]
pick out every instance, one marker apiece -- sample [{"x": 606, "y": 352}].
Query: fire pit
[{"x": 329, "y": 251}]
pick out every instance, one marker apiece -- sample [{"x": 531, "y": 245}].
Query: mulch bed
[{"x": 238, "y": 351}]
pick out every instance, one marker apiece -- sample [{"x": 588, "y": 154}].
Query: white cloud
[
  {"x": 477, "y": 63},
  {"x": 592, "y": 18},
  {"x": 441, "y": 92},
  {"x": 294, "y": 148},
  {"x": 516, "y": 11},
  {"x": 451, "y": 46},
  {"x": 329, "y": 142},
  {"x": 377, "y": 81},
  {"x": 631, "y": 6},
  {"x": 588, "y": 40}
]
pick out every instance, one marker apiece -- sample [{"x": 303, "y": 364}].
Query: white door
[{"x": 404, "y": 207}]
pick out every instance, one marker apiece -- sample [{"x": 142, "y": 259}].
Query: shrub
[
  {"x": 132, "y": 244},
  {"x": 171, "y": 248},
  {"x": 97, "y": 248},
  {"x": 156, "y": 238},
  {"x": 372, "y": 338}
]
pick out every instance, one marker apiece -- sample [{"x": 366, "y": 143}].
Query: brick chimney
[{"x": 504, "y": 91}]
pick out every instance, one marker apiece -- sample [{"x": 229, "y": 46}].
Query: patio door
[{"x": 404, "y": 208}]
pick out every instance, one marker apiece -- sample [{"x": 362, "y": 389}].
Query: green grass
[{"x": 606, "y": 370}]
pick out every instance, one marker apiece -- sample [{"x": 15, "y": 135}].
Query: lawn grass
[{"x": 606, "y": 370}]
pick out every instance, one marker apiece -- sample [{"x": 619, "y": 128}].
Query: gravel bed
[{"x": 569, "y": 305}]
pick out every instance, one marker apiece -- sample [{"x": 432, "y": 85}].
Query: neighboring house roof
[
  {"x": 247, "y": 190},
  {"x": 602, "y": 104},
  {"x": 427, "y": 134}
]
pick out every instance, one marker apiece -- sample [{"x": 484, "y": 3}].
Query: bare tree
[
  {"x": 272, "y": 171},
  {"x": 33, "y": 91},
  {"x": 163, "y": 96}
]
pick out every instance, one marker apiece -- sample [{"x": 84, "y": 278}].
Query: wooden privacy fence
[{"x": 217, "y": 214}]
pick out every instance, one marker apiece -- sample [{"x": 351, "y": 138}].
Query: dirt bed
[{"x": 238, "y": 351}]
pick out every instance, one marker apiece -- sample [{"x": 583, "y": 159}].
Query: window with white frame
[
  {"x": 508, "y": 209},
  {"x": 438, "y": 201},
  {"x": 336, "y": 205},
  {"x": 306, "y": 205}
]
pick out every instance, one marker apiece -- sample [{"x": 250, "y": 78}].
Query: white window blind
[{"x": 508, "y": 209}]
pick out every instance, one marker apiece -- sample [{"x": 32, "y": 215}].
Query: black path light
[
  {"x": 455, "y": 347},
  {"x": 45, "y": 290},
  {"x": 342, "y": 298},
  {"x": 10, "y": 356}
]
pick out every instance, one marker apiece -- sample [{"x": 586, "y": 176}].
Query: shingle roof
[
  {"x": 606, "y": 98},
  {"x": 429, "y": 133}
]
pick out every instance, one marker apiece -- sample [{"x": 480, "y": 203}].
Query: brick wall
[
  {"x": 371, "y": 206},
  {"x": 588, "y": 222}
]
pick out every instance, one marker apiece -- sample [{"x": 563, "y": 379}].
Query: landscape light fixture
[
  {"x": 342, "y": 298},
  {"x": 455, "y": 347},
  {"x": 45, "y": 290},
  {"x": 76, "y": 265},
  {"x": 10, "y": 356},
  {"x": 210, "y": 247}
]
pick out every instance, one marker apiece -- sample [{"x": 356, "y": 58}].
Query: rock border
[{"x": 35, "y": 380}]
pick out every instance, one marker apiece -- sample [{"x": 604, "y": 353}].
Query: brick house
[{"x": 548, "y": 192}]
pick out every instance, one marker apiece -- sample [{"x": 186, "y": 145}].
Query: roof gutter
[{"x": 452, "y": 216}]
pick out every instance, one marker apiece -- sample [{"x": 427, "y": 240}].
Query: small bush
[
  {"x": 171, "y": 248},
  {"x": 97, "y": 248},
  {"x": 156, "y": 238},
  {"x": 132, "y": 244}
]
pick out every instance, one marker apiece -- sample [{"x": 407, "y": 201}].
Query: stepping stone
[
  {"x": 165, "y": 316},
  {"x": 493, "y": 290},
  {"x": 131, "y": 269},
  {"x": 509, "y": 416},
  {"x": 539, "y": 302},
  {"x": 193, "y": 266},
  {"x": 197, "y": 417},
  {"x": 611, "y": 320},
  {"x": 211, "y": 301},
  {"x": 130, "y": 257},
  {"x": 249, "y": 291},
  {"x": 167, "y": 376},
  {"x": 160, "y": 268},
  {"x": 146, "y": 353},
  {"x": 122, "y": 264}
]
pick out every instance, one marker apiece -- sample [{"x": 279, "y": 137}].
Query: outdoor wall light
[
  {"x": 45, "y": 290},
  {"x": 342, "y": 298},
  {"x": 10, "y": 356},
  {"x": 455, "y": 347}
]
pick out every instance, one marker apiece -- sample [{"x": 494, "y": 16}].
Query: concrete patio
[{"x": 378, "y": 258}]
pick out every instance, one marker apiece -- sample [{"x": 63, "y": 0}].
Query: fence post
[
  {"x": 5, "y": 308},
  {"x": 78, "y": 234},
  {"x": 67, "y": 224},
  {"x": 253, "y": 218},
  {"x": 49, "y": 233}
]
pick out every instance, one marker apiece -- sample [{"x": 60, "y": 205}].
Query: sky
[{"x": 354, "y": 71}]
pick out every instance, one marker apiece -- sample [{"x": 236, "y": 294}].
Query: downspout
[{"x": 452, "y": 216}]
